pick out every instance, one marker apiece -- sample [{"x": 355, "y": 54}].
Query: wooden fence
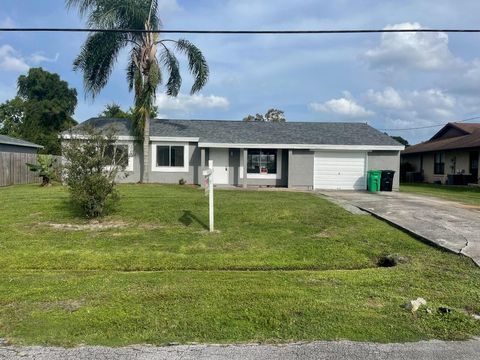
[{"x": 13, "y": 170}]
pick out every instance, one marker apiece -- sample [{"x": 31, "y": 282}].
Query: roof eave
[
  {"x": 32, "y": 145},
  {"x": 303, "y": 146}
]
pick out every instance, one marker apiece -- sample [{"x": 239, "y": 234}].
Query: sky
[{"x": 390, "y": 81}]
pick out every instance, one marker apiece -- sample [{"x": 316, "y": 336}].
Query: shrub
[
  {"x": 93, "y": 162},
  {"x": 46, "y": 167},
  {"x": 182, "y": 181}
]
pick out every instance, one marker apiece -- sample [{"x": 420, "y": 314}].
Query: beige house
[{"x": 451, "y": 156}]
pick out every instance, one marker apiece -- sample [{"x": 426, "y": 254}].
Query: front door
[
  {"x": 474, "y": 165},
  {"x": 220, "y": 166}
]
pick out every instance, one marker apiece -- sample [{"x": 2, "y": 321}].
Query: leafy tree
[
  {"x": 272, "y": 115},
  {"x": 400, "y": 139},
  {"x": 275, "y": 115},
  {"x": 257, "y": 117},
  {"x": 11, "y": 117},
  {"x": 148, "y": 54},
  {"x": 42, "y": 109},
  {"x": 114, "y": 110},
  {"x": 46, "y": 167},
  {"x": 92, "y": 166}
]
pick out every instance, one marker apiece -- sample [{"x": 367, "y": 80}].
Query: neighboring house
[
  {"x": 308, "y": 155},
  {"x": 454, "y": 150},
  {"x": 10, "y": 144}
]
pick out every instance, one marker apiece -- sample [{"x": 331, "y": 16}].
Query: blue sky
[{"x": 389, "y": 81}]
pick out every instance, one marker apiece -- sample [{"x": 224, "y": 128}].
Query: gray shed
[{"x": 10, "y": 144}]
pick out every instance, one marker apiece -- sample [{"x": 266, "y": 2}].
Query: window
[
  {"x": 262, "y": 162},
  {"x": 117, "y": 155},
  {"x": 439, "y": 163},
  {"x": 170, "y": 157}
]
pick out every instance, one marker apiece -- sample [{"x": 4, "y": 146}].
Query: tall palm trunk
[
  {"x": 101, "y": 50},
  {"x": 146, "y": 150}
]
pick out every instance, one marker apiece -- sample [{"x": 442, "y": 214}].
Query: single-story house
[
  {"x": 307, "y": 155},
  {"x": 452, "y": 153},
  {"x": 10, "y": 144}
]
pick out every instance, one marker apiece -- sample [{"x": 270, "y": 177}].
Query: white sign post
[{"x": 208, "y": 173}]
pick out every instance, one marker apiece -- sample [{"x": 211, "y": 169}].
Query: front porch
[{"x": 244, "y": 167}]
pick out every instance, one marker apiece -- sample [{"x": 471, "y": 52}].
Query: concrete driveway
[{"x": 450, "y": 225}]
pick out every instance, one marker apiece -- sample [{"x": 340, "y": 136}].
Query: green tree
[
  {"x": 114, "y": 110},
  {"x": 148, "y": 54},
  {"x": 42, "y": 109},
  {"x": 272, "y": 115},
  {"x": 92, "y": 167},
  {"x": 11, "y": 117},
  {"x": 400, "y": 139}
]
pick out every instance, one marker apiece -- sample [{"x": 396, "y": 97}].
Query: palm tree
[{"x": 148, "y": 54}]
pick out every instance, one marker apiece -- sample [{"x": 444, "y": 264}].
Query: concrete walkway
[
  {"x": 320, "y": 350},
  {"x": 450, "y": 225}
]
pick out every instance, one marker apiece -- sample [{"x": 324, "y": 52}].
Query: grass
[
  {"x": 283, "y": 267},
  {"x": 469, "y": 195}
]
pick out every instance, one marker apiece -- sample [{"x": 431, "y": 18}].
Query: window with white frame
[
  {"x": 117, "y": 154},
  {"x": 120, "y": 154},
  {"x": 170, "y": 157},
  {"x": 262, "y": 164},
  {"x": 262, "y": 161}
]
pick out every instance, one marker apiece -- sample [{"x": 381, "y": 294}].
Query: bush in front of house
[{"x": 92, "y": 165}]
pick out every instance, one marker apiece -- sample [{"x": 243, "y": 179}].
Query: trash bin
[
  {"x": 386, "y": 183},
  {"x": 373, "y": 180}
]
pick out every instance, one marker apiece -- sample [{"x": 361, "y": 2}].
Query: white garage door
[{"x": 339, "y": 170}]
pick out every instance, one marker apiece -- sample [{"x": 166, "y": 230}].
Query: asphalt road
[{"x": 320, "y": 350}]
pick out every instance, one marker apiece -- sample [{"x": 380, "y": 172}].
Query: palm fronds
[
  {"x": 97, "y": 59},
  {"x": 196, "y": 62}
]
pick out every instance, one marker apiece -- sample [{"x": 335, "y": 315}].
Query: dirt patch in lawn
[
  {"x": 324, "y": 234},
  {"x": 92, "y": 225},
  {"x": 96, "y": 225},
  {"x": 150, "y": 226},
  {"x": 66, "y": 305}
]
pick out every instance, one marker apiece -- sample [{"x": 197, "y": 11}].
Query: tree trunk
[{"x": 146, "y": 150}]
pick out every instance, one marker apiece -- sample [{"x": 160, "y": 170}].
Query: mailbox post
[{"x": 208, "y": 173}]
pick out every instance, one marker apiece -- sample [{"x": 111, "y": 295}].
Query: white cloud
[
  {"x": 433, "y": 98},
  {"x": 415, "y": 108},
  {"x": 185, "y": 103},
  {"x": 426, "y": 51},
  {"x": 11, "y": 60},
  {"x": 419, "y": 100},
  {"x": 388, "y": 98},
  {"x": 38, "y": 57},
  {"x": 345, "y": 106}
]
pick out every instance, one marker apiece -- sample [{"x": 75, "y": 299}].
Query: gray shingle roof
[
  {"x": 8, "y": 140},
  {"x": 219, "y": 131}
]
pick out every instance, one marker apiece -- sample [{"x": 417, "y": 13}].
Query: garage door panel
[{"x": 339, "y": 170}]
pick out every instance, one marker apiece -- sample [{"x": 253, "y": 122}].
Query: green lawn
[
  {"x": 283, "y": 267},
  {"x": 463, "y": 194}
]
